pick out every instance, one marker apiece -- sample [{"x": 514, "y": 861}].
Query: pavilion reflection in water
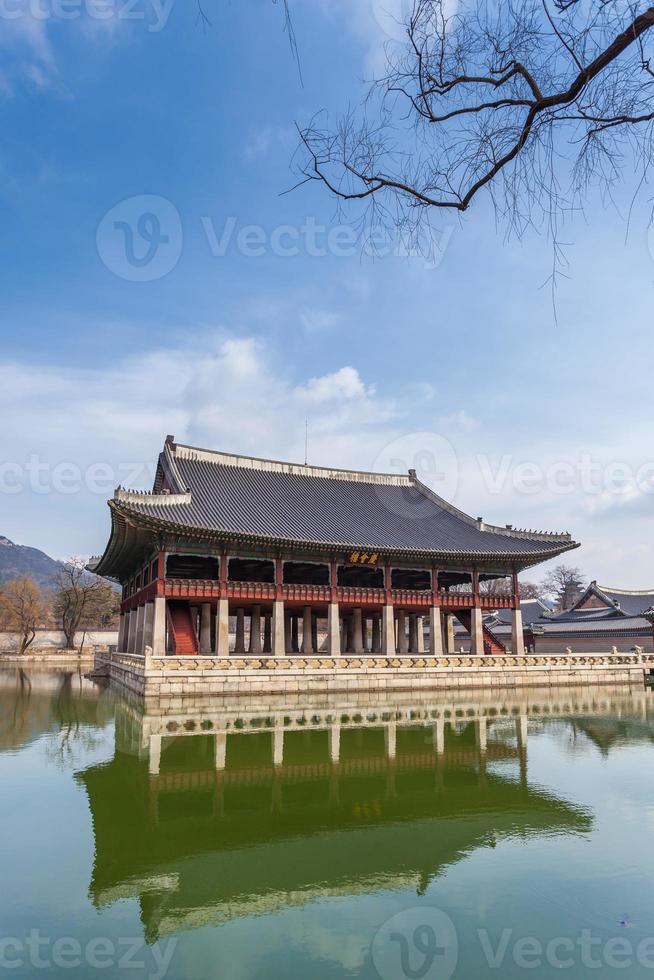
[{"x": 208, "y": 820}]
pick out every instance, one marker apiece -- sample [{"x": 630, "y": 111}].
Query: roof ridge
[
  {"x": 280, "y": 466},
  {"x": 607, "y": 589}
]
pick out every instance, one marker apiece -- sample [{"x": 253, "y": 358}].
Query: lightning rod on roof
[{"x": 306, "y": 441}]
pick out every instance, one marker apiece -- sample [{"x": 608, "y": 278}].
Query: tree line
[{"x": 78, "y": 602}]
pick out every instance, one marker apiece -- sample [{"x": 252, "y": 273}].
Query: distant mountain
[{"x": 17, "y": 559}]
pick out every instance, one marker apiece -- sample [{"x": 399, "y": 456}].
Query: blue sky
[{"x": 229, "y": 343}]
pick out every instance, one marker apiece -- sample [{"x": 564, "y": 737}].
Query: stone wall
[{"x": 54, "y": 640}]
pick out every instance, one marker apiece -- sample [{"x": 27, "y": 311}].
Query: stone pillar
[
  {"x": 314, "y": 633},
  {"x": 357, "y": 629},
  {"x": 435, "y": 632},
  {"x": 517, "y": 635},
  {"x": 194, "y": 622},
  {"x": 279, "y": 620},
  {"x": 255, "y": 630},
  {"x": 476, "y": 632},
  {"x": 148, "y": 624},
  {"x": 333, "y": 630},
  {"x": 140, "y": 622},
  {"x": 390, "y": 737},
  {"x": 278, "y": 746},
  {"x": 449, "y": 622},
  {"x": 306, "y": 630},
  {"x": 295, "y": 639},
  {"x": 205, "y": 629},
  {"x": 267, "y": 633},
  {"x": 388, "y": 632},
  {"x": 222, "y": 628},
  {"x": 121, "y": 633},
  {"x": 220, "y": 749},
  {"x": 413, "y": 633},
  {"x": 349, "y": 632},
  {"x": 240, "y": 631},
  {"x": 420, "y": 626},
  {"x": 335, "y": 742},
  {"x": 159, "y": 628},
  {"x": 128, "y": 630},
  {"x": 402, "y": 639},
  {"x": 288, "y": 631},
  {"x": 154, "y": 763},
  {"x": 376, "y": 633}
]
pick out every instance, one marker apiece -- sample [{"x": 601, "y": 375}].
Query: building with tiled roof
[
  {"x": 286, "y": 553},
  {"x": 602, "y": 618}
]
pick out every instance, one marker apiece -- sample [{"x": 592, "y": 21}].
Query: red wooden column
[
  {"x": 161, "y": 574},
  {"x": 516, "y": 591},
  {"x": 279, "y": 578},
  {"x": 333, "y": 580}
]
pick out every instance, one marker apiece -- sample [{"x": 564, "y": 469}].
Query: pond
[{"x": 485, "y": 834}]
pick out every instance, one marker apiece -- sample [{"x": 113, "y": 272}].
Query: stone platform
[{"x": 153, "y": 677}]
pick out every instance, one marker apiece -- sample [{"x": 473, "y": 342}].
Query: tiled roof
[
  {"x": 264, "y": 499},
  {"x": 601, "y": 627}
]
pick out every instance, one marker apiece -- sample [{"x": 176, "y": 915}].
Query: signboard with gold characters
[{"x": 363, "y": 558}]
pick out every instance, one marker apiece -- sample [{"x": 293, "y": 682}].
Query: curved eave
[
  {"x": 137, "y": 519},
  {"x": 128, "y": 538}
]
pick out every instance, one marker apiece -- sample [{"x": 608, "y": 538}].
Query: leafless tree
[
  {"x": 565, "y": 584},
  {"x": 23, "y": 609},
  {"x": 531, "y": 102},
  {"x": 82, "y": 601}
]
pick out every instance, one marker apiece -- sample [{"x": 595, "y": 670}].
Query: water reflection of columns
[
  {"x": 521, "y": 733},
  {"x": 278, "y": 746},
  {"x": 334, "y": 756},
  {"x": 220, "y": 750},
  {"x": 154, "y": 763},
  {"x": 390, "y": 736},
  {"x": 482, "y": 743}
]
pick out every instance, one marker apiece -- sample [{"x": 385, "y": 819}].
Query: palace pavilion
[{"x": 231, "y": 556}]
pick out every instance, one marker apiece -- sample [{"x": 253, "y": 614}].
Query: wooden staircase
[{"x": 180, "y": 625}]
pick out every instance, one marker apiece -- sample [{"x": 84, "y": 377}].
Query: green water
[{"x": 395, "y": 841}]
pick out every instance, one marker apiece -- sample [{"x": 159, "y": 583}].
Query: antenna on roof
[{"x": 306, "y": 441}]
